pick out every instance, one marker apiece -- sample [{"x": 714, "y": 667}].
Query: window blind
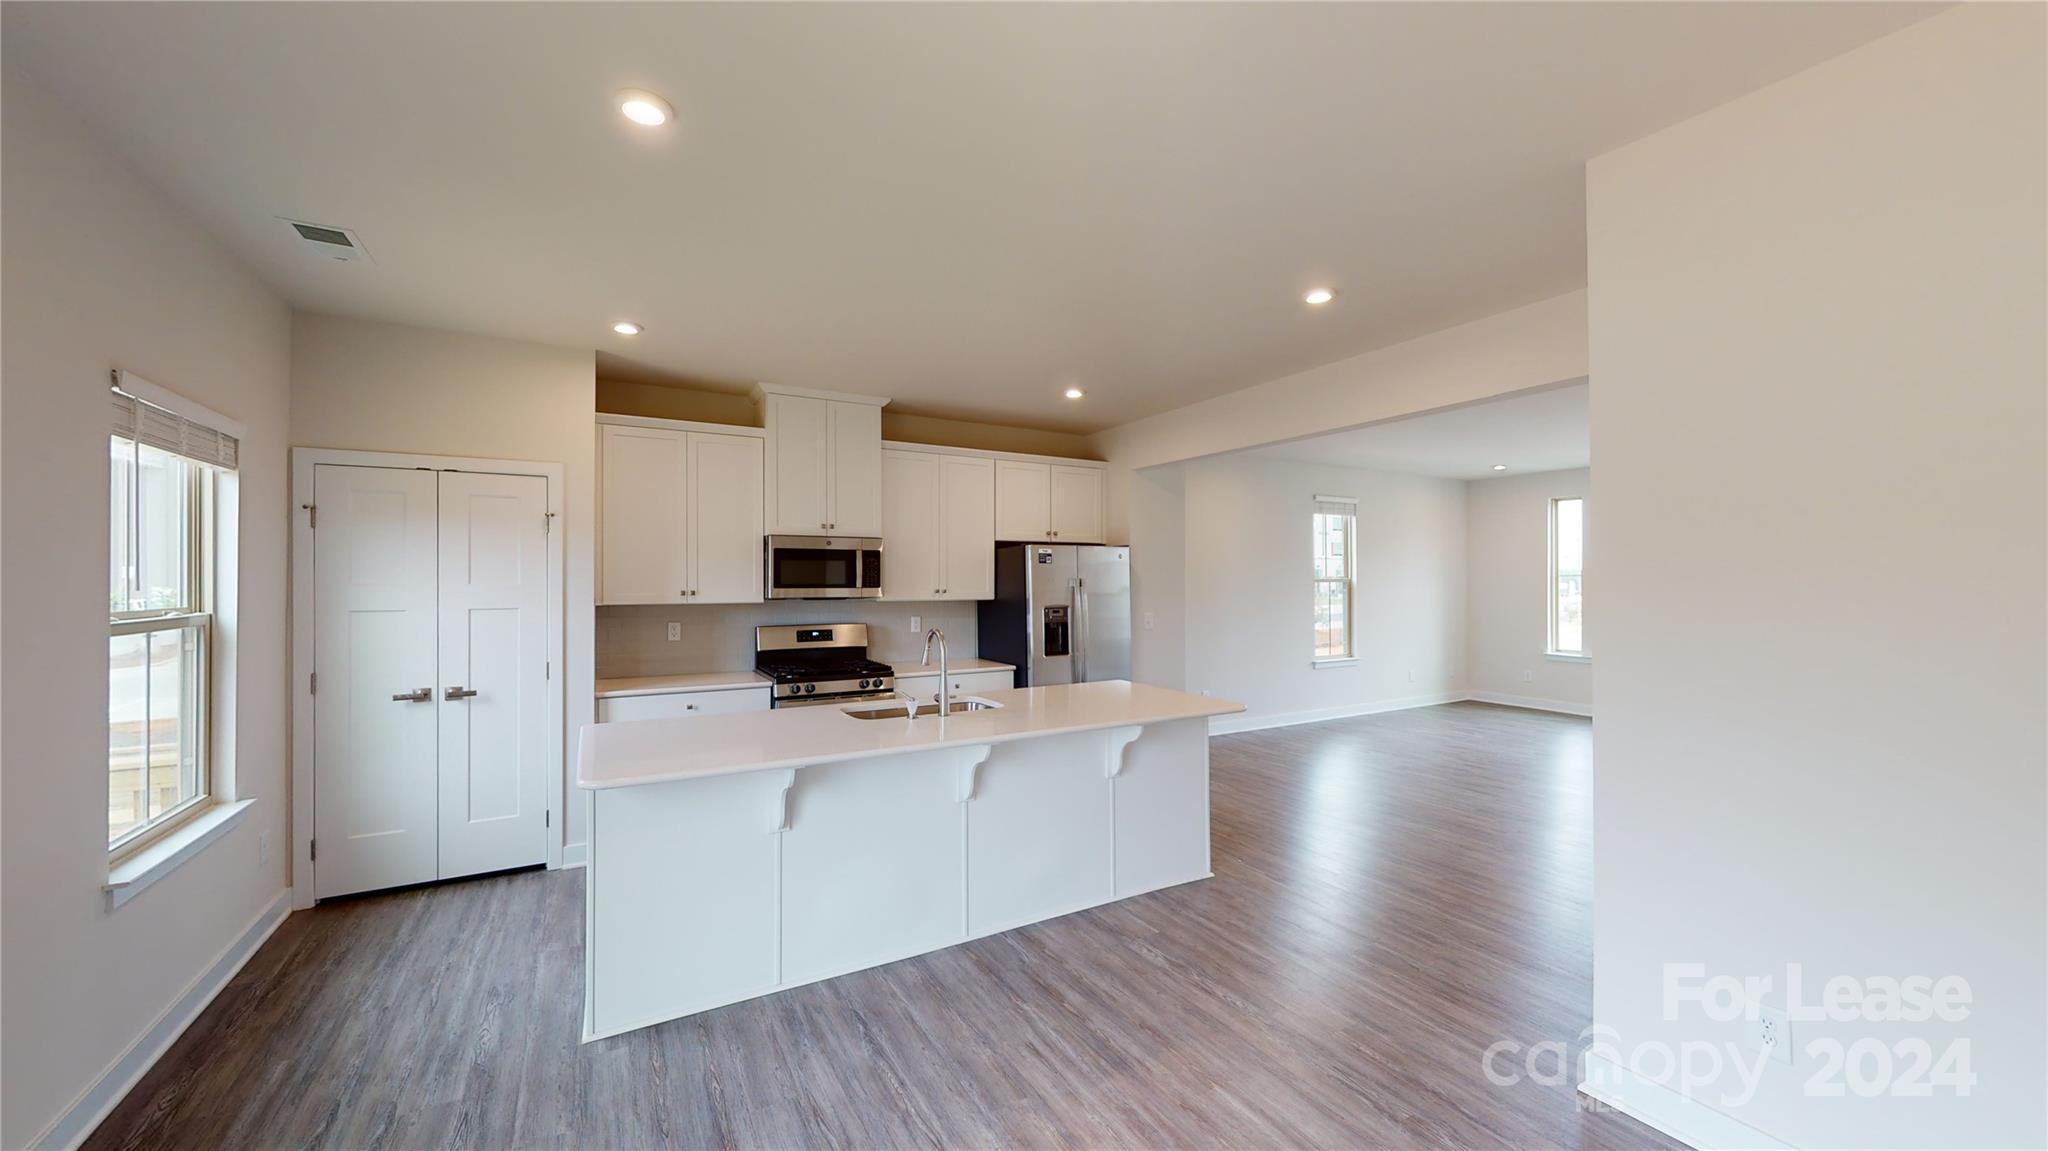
[
  {"x": 1336, "y": 506},
  {"x": 145, "y": 423}
]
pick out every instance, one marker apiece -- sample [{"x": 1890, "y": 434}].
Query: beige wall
[
  {"x": 661, "y": 401},
  {"x": 1247, "y": 589},
  {"x": 391, "y": 388},
  {"x": 1507, "y": 547},
  {"x": 1819, "y": 400},
  {"x": 100, "y": 272}
]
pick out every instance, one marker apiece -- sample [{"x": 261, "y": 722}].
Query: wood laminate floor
[{"x": 1392, "y": 894}]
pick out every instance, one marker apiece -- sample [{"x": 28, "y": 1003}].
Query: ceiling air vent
[{"x": 329, "y": 243}]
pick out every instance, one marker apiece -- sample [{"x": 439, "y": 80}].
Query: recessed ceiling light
[
  {"x": 645, "y": 108},
  {"x": 626, "y": 328},
  {"x": 1075, "y": 393},
  {"x": 1320, "y": 296},
  {"x": 1500, "y": 467}
]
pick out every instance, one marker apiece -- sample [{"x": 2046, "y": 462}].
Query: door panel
[
  {"x": 1076, "y": 505},
  {"x": 801, "y": 439},
  {"x": 375, "y": 792},
  {"x": 967, "y": 527},
  {"x": 1022, "y": 508},
  {"x": 1103, "y": 613},
  {"x": 644, "y": 550},
  {"x": 856, "y": 479},
  {"x": 725, "y": 519},
  {"x": 494, "y": 628},
  {"x": 910, "y": 525}
]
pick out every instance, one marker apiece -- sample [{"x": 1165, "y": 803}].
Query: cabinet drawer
[{"x": 671, "y": 704}]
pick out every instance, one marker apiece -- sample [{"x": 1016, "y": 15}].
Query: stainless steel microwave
[{"x": 823, "y": 567}]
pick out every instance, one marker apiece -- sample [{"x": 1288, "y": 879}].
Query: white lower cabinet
[
  {"x": 669, "y": 705},
  {"x": 963, "y": 682}
]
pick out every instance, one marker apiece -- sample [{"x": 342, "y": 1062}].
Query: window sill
[
  {"x": 1320, "y": 664},
  {"x": 1567, "y": 657},
  {"x": 130, "y": 877}
]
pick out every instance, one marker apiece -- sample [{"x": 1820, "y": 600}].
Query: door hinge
[
  {"x": 313, "y": 849},
  {"x": 312, "y": 516},
  {"x": 313, "y": 683},
  {"x": 547, "y": 819},
  {"x": 550, "y": 672},
  {"x": 547, "y": 523}
]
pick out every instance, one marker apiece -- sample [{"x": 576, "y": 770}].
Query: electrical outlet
[
  {"x": 675, "y": 632},
  {"x": 1148, "y": 621},
  {"x": 1771, "y": 1033},
  {"x": 263, "y": 849},
  {"x": 917, "y": 623},
  {"x": 1528, "y": 676}
]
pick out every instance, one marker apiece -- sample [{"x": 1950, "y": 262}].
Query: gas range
[{"x": 820, "y": 663}]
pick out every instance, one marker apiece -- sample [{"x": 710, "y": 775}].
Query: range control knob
[{"x": 809, "y": 688}]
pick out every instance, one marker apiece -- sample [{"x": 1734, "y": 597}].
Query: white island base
[{"x": 742, "y": 875}]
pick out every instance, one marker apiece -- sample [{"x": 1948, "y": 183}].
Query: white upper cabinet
[
  {"x": 725, "y": 518},
  {"x": 938, "y": 526},
  {"x": 824, "y": 462},
  {"x": 967, "y": 528},
  {"x": 910, "y": 525},
  {"x": 1076, "y": 504},
  {"x": 680, "y": 516},
  {"x": 1048, "y": 501},
  {"x": 643, "y": 534}
]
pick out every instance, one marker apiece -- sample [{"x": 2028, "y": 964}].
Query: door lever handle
[
  {"x": 416, "y": 695},
  {"x": 459, "y": 692}
]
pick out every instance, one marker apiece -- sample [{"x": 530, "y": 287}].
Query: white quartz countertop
[
  {"x": 693, "y": 747},
  {"x": 906, "y": 670},
  {"x": 669, "y": 684}
]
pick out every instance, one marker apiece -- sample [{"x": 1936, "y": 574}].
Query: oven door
[{"x": 823, "y": 567}]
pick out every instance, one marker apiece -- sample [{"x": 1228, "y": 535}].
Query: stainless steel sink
[{"x": 924, "y": 710}]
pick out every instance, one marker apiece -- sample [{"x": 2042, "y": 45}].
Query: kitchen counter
[
  {"x": 666, "y": 750},
  {"x": 742, "y": 854},
  {"x": 666, "y": 684}
]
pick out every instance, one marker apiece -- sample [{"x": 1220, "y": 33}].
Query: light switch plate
[
  {"x": 916, "y": 623},
  {"x": 1148, "y": 621}
]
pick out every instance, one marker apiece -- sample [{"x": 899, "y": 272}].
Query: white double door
[{"x": 431, "y": 708}]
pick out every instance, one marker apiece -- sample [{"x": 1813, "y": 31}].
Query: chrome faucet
[{"x": 945, "y": 671}]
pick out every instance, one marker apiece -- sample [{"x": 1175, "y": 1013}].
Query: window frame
[
  {"x": 196, "y": 617},
  {"x": 1349, "y": 579},
  {"x": 1550, "y": 592}
]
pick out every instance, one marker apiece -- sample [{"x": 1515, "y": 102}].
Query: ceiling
[
  {"x": 1538, "y": 431},
  {"x": 965, "y": 207}
]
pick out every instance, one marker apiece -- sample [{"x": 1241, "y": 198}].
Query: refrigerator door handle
[{"x": 1080, "y": 598}]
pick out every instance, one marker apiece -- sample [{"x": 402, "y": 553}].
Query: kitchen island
[{"x": 732, "y": 856}]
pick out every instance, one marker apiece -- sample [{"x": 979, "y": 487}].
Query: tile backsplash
[{"x": 633, "y": 641}]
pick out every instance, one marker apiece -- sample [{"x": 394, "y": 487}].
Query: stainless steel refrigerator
[{"x": 1061, "y": 614}]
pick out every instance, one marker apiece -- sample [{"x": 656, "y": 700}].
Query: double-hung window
[
  {"x": 1567, "y": 577},
  {"x": 161, "y": 471},
  {"x": 1334, "y": 529}
]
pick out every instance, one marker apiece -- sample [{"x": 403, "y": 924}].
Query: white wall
[
  {"x": 1817, "y": 321},
  {"x": 1248, "y": 591},
  {"x": 1507, "y": 547},
  {"x": 392, "y": 388},
  {"x": 100, "y": 272}
]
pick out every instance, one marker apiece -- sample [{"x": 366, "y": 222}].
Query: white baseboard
[
  {"x": 1682, "y": 1117},
  {"x": 93, "y": 1104},
  {"x": 1231, "y": 724},
  {"x": 1533, "y": 703},
  {"x": 575, "y": 855}
]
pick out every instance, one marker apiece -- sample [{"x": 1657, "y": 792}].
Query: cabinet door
[
  {"x": 1076, "y": 505},
  {"x": 800, "y": 442},
  {"x": 645, "y": 493},
  {"x": 725, "y": 519},
  {"x": 855, "y": 498},
  {"x": 910, "y": 525},
  {"x": 1023, "y": 501},
  {"x": 967, "y": 528}
]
